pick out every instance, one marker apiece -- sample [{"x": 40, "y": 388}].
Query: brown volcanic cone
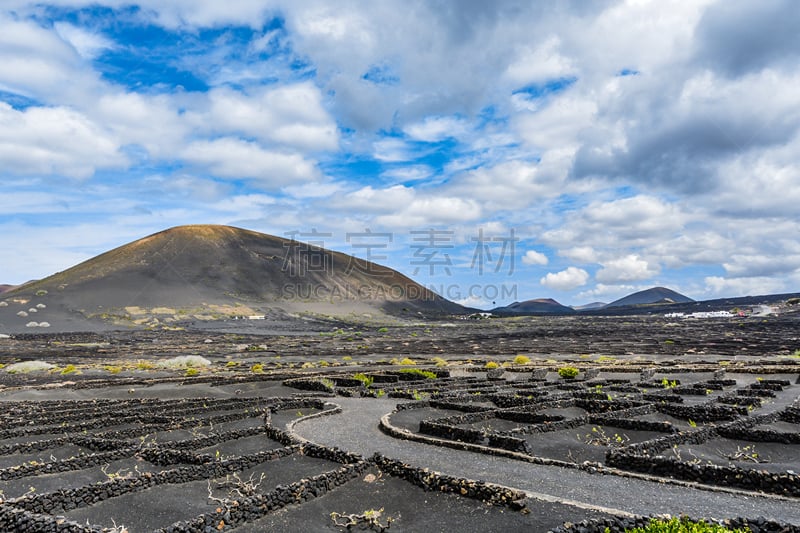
[{"x": 201, "y": 266}]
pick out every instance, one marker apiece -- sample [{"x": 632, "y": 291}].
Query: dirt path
[{"x": 356, "y": 430}]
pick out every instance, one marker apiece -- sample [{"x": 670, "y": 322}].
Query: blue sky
[{"x": 494, "y": 151}]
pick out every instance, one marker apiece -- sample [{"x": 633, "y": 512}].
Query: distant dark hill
[
  {"x": 590, "y": 307},
  {"x": 539, "y": 305},
  {"x": 655, "y": 295},
  {"x": 220, "y": 271},
  {"x": 6, "y": 288}
]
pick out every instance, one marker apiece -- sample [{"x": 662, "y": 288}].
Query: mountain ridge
[{"x": 208, "y": 270}]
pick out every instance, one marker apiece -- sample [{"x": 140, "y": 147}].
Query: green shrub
[
  {"x": 144, "y": 365},
  {"x": 191, "y": 372},
  {"x": 257, "y": 368},
  {"x": 522, "y": 360},
  {"x": 568, "y": 372},
  {"x": 438, "y": 361},
  {"x": 69, "y": 369},
  {"x": 323, "y": 363},
  {"x": 490, "y": 365},
  {"x": 421, "y": 373},
  {"x": 383, "y": 330},
  {"x": 112, "y": 369},
  {"x": 231, "y": 364},
  {"x": 405, "y": 361},
  {"x": 365, "y": 379},
  {"x": 683, "y": 525}
]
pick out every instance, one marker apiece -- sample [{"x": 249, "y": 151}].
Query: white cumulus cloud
[
  {"x": 566, "y": 280},
  {"x": 628, "y": 268},
  {"x": 532, "y": 257}
]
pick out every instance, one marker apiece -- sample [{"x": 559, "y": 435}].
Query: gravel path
[{"x": 356, "y": 430}]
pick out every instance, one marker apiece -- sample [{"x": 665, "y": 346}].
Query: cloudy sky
[{"x": 495, "y": 151}]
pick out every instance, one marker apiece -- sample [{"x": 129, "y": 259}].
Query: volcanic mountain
[
  {"x": 654, "y": 295},
  {"x": 209, "y": 271},
  {"x": 539, "y": 305},
  {"x": 6, "y": 288}
]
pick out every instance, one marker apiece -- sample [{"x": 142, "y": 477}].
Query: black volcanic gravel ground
[{"x": 568, "y": 485}]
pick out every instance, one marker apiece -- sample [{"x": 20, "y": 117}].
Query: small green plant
[
  {"x": 257, "y": 368},
  {"x": 69, "y": 369},
  {"x": 380, "y": 393},
  {"x": 418, "y": 396},
  {"x": 404, "y": 361},
  {"x": 328, "y": 384},
  {"x": 438, "y": 361},
  {"x": 692, "y": 423},
  {"x": 41, "y": 292},
  {"x": 112, "y": 369},
  {"x": 231, "y": 364},
  {"x": 522, "y": 360},
  {"x": 682, "y": 525},
  {"x": 667, "y": 384},
  {"x": 369, "y": 520},
  {"x": 383, "y": 330},
  {"x": 568, "y": 372},
  {"x": 669, "y": 341},
  {"x": 191, "y": 372},
  {"x": 364, "y": 379},
  {"x": 746, "y": 453},
  {"x": 490, "y": 365},
  {"x": 255, "y": 348},
  {"x": 144, "y": 365},
  {"x": 598, "y": 437},
  {"x": 347, "y": 358},
  {"x": 323, "y": 363},
  {"x": 421, "y": 373}
]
